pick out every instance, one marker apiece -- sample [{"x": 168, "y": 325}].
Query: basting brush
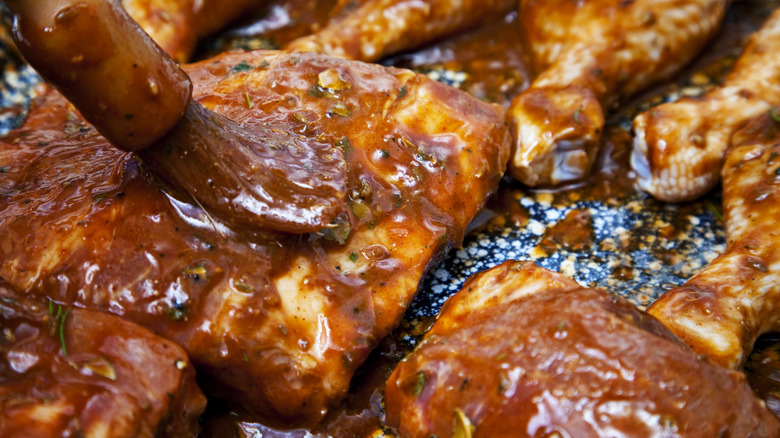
[{"x": 141, "y": 101}]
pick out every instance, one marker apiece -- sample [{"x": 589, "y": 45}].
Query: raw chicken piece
[
  {"x": 589, "y": 54},
  {"x": 66, "y": 371},
  {"x": 377, "y": 28},
  {"x": 276, "y": 321},
  {"x": 679, "y": 147},
  {"x": 721, "y": 312},
  {"x": 524, "y": 352}
]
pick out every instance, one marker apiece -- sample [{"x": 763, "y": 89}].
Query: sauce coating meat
[
  {"x": 278, "y": 322},
  {"x": 138, "y": 98},
  {"x": 176, "y": 25},
  {"x": 378, "y": 28},
  {"x": 588, "y": 55},
  {"x": 679, "y": 147},
  {"x": 721, "y": 311},
  {"x": 66, "y": 371},
  {"x": 522, "y": 351}
]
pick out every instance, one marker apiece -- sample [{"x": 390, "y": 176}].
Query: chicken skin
[
  {"x": 73, "y": 372},
  {"x": 679, "y": 147},
  {"x": 721, "y": 312},
  {"x": 275, "y": 321},
  {"x": 587, "y": 55},
  {"x": 378, "y": 28},
  {"x": 521, "y": 351},
  {"x": 176, "y": 25}
]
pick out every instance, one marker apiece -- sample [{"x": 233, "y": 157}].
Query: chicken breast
[
  {"x": 66, "y": 371},
  {"x": 275, "y": 321},
  {"x": 587, "y": 56},
  {"x": 721, "y": 312},
  {"x": 679, "y": 147},
  {"x": 521, "y": 351}
]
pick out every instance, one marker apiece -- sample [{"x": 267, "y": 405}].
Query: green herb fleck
[
  {"x": 316, "y": 91},
  {"x": 419, "y": 384},
  {"x": 714, "y": 210},
  {"x": 345, "y": 145},
  {"x": 577, "y": 115},
  {"x": 245, "y": 358},
  {"x": 385, "y": 154},
  {"x": 353, "y": 257},
  {"x": 176, "y": 313},
  {"x": 775, "y": 113},
  {"x": 249, "y": 103},
  {"x": 402, "y": 92},
  {"x": 338, "y": 230},
  {"x": 242, "y": 66},
  {"x": 98, "y": 198},
  {"x": 3, "y": 169},
  {"x": 264, "y": 64},
  {"x": 243, "y": 286},
  {"x": 196, "y": 272},
  {"x": 128, "y": 116},
  {"x": 59, "y": 324}
]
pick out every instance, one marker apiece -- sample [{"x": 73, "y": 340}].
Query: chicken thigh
[
  {"x": 276, "y": 321},
  {"x": 589, "y": 54},
  {"x": 521, "y": 351},
  {"x": 679, "y": 147},
  {"x": 66, "y": 371},
  {"x": 721, "y": 312}
]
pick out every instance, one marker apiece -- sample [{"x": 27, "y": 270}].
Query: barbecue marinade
[
  {"x": 276, "y": 321},
  {"x": 378, "y": 28},
  {"x": 588, "y": 55},
  {"x": 139, "y": 99},
  {"x": 525, "y": 352},
  {"x": 66, "y": 371},
  {"x": 176, "y": 25},
  {"x": 721, "y": 311},
  {"x": 679, "y": 147}
]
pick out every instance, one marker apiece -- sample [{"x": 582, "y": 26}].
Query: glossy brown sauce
[
  {"x": 489, "y": 63},
  {"x": 495, "y": 71},
  {"x": 572, "y": 233}
]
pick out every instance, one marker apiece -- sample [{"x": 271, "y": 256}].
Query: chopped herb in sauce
[
  {"x": 577, "y": 115},
  {"x": 419, "y": 384},
  {"x": 243, "y": 286},
  {"x": 775, "y": 113},
  {"x": 240, "y": 67},
  {"x": 177, "y": 313},
  {"x": 353, "y": 257},
  {"x": 58, "y": 324},
  {"x": 345, "y": 145}
]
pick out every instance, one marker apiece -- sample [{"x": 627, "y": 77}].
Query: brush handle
[{"x": 109, "y": 68}]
